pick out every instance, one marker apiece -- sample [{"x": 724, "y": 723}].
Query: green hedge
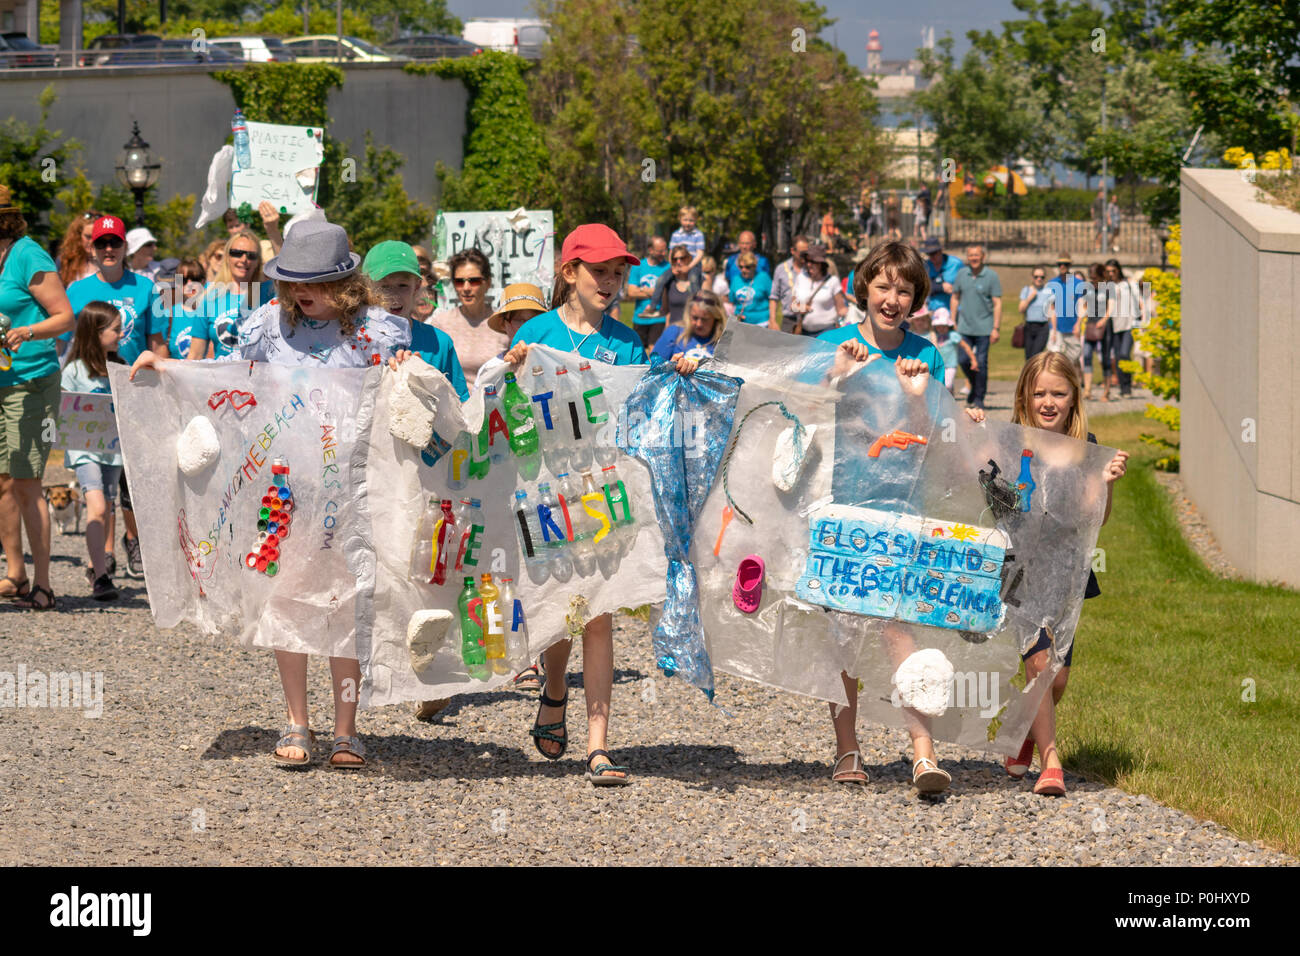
[{"x": 1060, "y": 204}]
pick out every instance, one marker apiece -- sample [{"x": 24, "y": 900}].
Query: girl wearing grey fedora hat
[{"x": 324, "y": 315}]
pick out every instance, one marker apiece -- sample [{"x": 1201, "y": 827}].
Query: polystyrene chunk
[{"x": 198, "y": 446}]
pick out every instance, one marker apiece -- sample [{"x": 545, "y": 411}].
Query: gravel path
[{"x": 177, "y": 771}]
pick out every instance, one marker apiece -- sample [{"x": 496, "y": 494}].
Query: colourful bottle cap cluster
[{"x": 273, "y": 519}]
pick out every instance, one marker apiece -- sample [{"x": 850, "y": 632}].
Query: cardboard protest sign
[
  {"x": 87, "y": 422},
  {"x": 519, "y": 244},
  {"x": 286, "y": 161}
]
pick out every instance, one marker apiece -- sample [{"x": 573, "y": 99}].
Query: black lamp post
[
  {"x": 137, "y": 170},
  {"x": 787, "y": 197}
]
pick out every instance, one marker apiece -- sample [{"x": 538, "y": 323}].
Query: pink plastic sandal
[{"x": 748, "y": 589}]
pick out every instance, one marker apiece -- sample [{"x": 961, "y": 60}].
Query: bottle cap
[
  {"x": 561, "y": 371},
  {"x": 520, "y": 495},
  {"x": 608, "y": 468},
  {"x": 475, "y": 503},
  {"x": 537, "y": 370},
  {"x": 469, "y": 582},
  {"x": 490, "y": 390},
  {"x": 584, "y": 367},
  {"x": 544, "y": 487},
  {"x": 510, "y": 377},
  {"x": 271, "y": 568},
  {"x": 486, "y": 578}
]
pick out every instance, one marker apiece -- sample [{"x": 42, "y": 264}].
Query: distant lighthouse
[{"x": 873, "y": 52}]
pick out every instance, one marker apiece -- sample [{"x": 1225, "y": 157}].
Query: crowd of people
[{"x": 295, "y": 297}]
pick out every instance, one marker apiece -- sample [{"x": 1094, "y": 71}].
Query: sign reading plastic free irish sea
[
  {"x": 940, "y": 573},
  {"x": 520, "y": 245},
  {"x": 286, "y": 160}
]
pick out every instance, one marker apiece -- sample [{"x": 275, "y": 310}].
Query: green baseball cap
[{"x": 388, "y": 257}]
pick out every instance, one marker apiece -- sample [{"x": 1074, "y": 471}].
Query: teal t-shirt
[
  {"x": 613, "y": 342},
  {"x": 912, "y": 346},
  {"x": 976, "y": 292},
  {"x": 223, "y": 311},
  {"x": 645, "y": 275},
  {"x": 181, "y": 332},
  {"x": 133, "y": 297},
  {"x": 39, "y": 357},
  {"x": 438, "y": 351},
  {"x": 750, "y": 298}
]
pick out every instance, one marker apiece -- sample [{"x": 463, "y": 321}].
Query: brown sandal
[
  {"x": 21, "y": 588},
  {"x": 28, "y": 602}
]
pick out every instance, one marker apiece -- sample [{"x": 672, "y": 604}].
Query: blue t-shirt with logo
[
  {"x": 436, "y": 348},
  {"x": 224, "y": 310},
  {"x": 940, "y": 299},
  {"x": 750, "y": 298},
  {"x": 39, "y": 357},
  {"x": 912, "y": 346},
  {"x": 645, "y": 275},
  {"x": 182, "y": 331},
  {"x": 133, "y": 297},
  {"x": 732, "y": 271},
  {"x": 670, "y": 343},
  {"x": 613, "y": 342}
]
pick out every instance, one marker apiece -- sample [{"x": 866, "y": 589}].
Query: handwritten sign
[
  {"x": 87, "y": 422},
  {"x": 286, "y": 160},
  {"x": 939, "y": 573},
  {"x": 519, "y": 247}
]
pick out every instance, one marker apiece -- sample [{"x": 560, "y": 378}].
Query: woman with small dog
[
  {"x": 94, "y": 345},
  {"x": 35, "y": 311}
]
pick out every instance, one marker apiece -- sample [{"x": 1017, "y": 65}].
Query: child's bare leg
[
  {"x": 844, "y": 720},
  {"x": 598, "y": 681},
  {"x": 345, "y": 673},
  {"x": 293, "y": 678},
  {"x": 555, "y": 660}
]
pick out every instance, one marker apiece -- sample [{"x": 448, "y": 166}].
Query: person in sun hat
[
  {"x": 141, "y": 247},
  {"x": 325, "y": 314},
  {"x": 520, "y": 301},
  {"x": 594, "y": 264},
  {"x": 394, "y": 269}
]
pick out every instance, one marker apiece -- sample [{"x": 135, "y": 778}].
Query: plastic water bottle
[
  {"x": 472, "y": 650},
  {"x": 579, "y": 526},
  {"x": 530, "y": 532},
  {"x": 516, "y": 632},
  {"x": 558, "y": 561},
  {"x": 547, "y": 417},
  {"x": 571, "y": 414},
  {"x": 523, "y": 430},
  {"x": 494, "y": 634},
  {"x": 460, "y": 461},
  {"x": 243, "y": 154},
  {"x": 472, "y": 524},
  {"x": 422, "y": 554},
  {"x": 595, "y": 510},
  {"x": 620, "y": 508},
  {"x": 444, "y": 542},
  {"x": 1025, "y": 483},
  {"x": 595, "y": 412},
  {"x": 494, "y": 436}
]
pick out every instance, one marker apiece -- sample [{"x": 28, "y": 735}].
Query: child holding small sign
[
  {"x": 94, "y": 345},
  {"x": 1050, "y": 395}
]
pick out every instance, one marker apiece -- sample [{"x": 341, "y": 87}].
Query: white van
[{"x": 524, "y": 37}]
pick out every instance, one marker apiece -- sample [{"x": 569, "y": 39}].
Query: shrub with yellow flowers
[{"x": 1162, "y": 340}]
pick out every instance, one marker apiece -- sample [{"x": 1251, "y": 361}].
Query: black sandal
[
  {"x": 542, "y": 731},
  {"x": 28, "y": 602}
]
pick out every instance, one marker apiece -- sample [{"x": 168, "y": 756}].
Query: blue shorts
[
  {"x": 1044, "y": 643},
  {"x": 96, "y": 477}
]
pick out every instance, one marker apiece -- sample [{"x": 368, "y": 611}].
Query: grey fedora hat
[{"x": 313, "y": 252}]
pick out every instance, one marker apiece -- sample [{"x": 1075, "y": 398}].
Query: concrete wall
[
  {"x": 184, "y": 115},
  {"x": 1240, "y": 364}
]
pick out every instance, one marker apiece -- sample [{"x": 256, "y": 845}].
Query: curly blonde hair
[{"x": 350, "y": 295}]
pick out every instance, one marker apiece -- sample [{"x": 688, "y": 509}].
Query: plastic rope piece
[{"x": 799, "y": 432}]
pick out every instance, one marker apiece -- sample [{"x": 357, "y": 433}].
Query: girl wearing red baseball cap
[{"x": 594, "y": 267}]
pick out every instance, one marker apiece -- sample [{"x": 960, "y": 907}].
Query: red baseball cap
[
  {"x": 596, "y": 243},
  {"x": 108, "y": 226}
]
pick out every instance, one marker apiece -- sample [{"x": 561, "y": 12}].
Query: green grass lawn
[{"x": 1155, "y": 703}]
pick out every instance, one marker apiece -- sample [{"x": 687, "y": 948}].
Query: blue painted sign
[{"x": 923, "y": 570}]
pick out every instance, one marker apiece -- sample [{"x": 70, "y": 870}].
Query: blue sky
[{"x": 899, "y": 23}]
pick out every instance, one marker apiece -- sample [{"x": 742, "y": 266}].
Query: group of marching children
[{"x": 324, "y": 294}]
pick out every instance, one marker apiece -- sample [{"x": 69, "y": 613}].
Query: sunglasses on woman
[
  {"x": 681, "y": 259},
  {"x": 90, "y": 214},
  {"x": 473, "y": 281},
  {"x": 108, "y": 242},
  {"x": 244, "y": 254}
]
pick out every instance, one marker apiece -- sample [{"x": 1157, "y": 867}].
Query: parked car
[
  {"x": 325, "y": 49},
  {"x": 97, "y": 50},
  {"x": 257, "y": 49},
  {"x": 18, "y": 51},
  {"x": 433, "y": 46},
  {"x": 167, "y": 52},
  {"x": 524, "y": 37}
]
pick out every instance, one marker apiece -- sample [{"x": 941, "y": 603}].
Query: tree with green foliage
[
  {"x": 505, "y": 160},
  {"x": 33, "y": 160},
  {"x": 653, "y": 103}
]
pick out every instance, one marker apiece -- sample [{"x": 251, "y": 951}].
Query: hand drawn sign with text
[
  {"x": 87, "y": 422},
  {"x": 284, "y": 170}
]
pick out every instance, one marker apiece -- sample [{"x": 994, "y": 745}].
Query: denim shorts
[{"x": 96, "y": 477}]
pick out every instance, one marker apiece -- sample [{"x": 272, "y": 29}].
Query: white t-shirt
[{"x": 822, "y": 316}]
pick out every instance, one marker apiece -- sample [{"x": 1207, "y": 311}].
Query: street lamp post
[
  {"x": 787, "y": 197},
  {"x": 137, "y": 170}
]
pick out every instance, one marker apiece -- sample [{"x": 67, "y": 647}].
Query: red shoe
[
  {"x": 1018, "y": 765},
  {"x": 748, "y": 589},
  {"x": 1051, "y": 783}
]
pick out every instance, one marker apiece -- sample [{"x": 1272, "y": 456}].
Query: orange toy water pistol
[{"x": 895, "y": 439}]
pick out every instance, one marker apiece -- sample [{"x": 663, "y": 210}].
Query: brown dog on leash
[{"x": 65, "y": 506}]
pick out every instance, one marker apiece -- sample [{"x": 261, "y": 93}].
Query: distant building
[{"x": 895, "y": 78}]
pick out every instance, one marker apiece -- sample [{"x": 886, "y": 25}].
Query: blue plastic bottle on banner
[
  {"x": 1025, "y": 483},
  {"x": 494, "y": 435},
  {"x": 579, "y": 526},
  {"x": 243, "y": 154},
  {"x": 550, "y": 423},
  {"x": 530, "y": 532}
]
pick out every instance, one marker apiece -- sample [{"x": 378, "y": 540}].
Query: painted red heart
[
  {"x": 241, "y": 400},
  {"x": 216, "y": 399}
]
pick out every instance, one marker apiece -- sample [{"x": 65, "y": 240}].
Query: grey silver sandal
[
  {"x": 295, "y": 735},
  {"x": 350, "y": 745}
]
